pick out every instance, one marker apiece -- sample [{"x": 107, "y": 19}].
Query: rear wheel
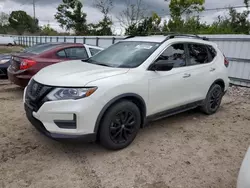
[
  {"x": 213, "y": 100},
  {"x": 120, "y": 125}
]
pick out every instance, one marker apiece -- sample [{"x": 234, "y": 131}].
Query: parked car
[
  {"x": 4, "y": 64},
  {"x": 27, "y": 64},
  {"x": 5, "y": 60},
  {"x": 113, "y": 94},
  {"x": 244, "y": 174},
  {"x": 7, "y": 40}
]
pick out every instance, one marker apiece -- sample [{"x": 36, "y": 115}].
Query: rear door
[{"x": 201, "y": 68}]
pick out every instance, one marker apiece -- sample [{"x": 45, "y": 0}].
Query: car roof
[
  {"x": 175, "y": 37},
  {"x": 64, "y": 43},
  {"x": 153, "y": 38}
]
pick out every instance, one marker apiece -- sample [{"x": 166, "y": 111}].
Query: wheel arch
[
  {"x": 220, "y": 82},
  {"x": 135, "y": 98}
]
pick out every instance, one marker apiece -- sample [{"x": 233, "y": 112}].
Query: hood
[{"x": 75, "y": 74}]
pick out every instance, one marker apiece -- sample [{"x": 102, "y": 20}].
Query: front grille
[{"x": 36, "y": 94}]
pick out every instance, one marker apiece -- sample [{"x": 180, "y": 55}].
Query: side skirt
[{"x": 173, "y": 111}]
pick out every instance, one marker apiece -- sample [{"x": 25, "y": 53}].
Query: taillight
[
  {"x": 26, "y": 63},
  {"x": 226, "y": 62}
]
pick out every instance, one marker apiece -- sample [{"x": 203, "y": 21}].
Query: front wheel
[
  {"x": 213, "y": 100},
  {"x": 120, "y": 125}
]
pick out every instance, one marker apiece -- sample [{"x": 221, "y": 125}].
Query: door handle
[
  {"x": 186, "y": 75},
  {"x": 212, "y": 69}
]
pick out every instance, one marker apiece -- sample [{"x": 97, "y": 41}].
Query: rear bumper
[
  {"x": 60, "y": 137},
  {"x": 18, "y": 79}
]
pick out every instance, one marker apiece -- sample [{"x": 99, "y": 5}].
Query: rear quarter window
[{"x": 212, "y": 51}]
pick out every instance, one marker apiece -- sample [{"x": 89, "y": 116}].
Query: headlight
[
  {"x": 70, "y": 93},
  {"x": 4, "y": 61}
]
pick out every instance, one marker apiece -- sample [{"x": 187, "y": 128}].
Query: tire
[
  {"x": 213, "y": 100},
  {"x": 120, "y": 125},
  {"x": 9, "y": 44}
]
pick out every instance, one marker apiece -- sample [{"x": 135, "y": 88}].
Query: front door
[{"x": 170, "y": 89}]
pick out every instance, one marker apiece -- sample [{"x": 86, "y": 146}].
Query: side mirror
[{"x": 162, "y": 65}]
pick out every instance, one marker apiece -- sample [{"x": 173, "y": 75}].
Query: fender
[{"x": 114, "y": 100}]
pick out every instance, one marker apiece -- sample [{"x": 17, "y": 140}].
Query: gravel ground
[{"x": 188, "y": 150}]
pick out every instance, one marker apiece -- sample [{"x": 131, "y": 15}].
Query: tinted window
[
  {"x": 127, "y": 54},
  {"x": 76, "y": 53},
  {"x": 212, "y": 51},
  {"x": 94, "y": 51},
  {"x": 174, "y": 54},
  {"x": 61, "y": 54},
  {"x": 198, "y": 54}
]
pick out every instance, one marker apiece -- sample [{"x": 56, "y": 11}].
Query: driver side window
[{"x": 175, "y": 54}]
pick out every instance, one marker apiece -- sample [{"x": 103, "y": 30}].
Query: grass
[{"x": 5, "y": 49}]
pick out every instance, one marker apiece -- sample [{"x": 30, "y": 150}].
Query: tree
[
  {"x": 21, "y": 22},
  {"x": 235, "y": 23},
  {"x": 48, "y": 31},
  {"x": 180, "y": 7},
  {"x": 4, "y": 23},
  {"x": 105, "y": 6},
  {"x": 246, "y": 3},
  {"x": 71, "y": 17},
  {"x": 133, "y": 14},
  {"x": 104, "y": 26},
  {"x": 4, "y": 19},
  {"x": 148, "y": 26}
]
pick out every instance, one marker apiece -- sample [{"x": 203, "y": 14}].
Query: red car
[{"x": 25, "y": 65}]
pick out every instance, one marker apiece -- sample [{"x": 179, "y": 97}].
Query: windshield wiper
[
  {"x": 89, "y": 60},
  {"x": 102, "y": 64}
]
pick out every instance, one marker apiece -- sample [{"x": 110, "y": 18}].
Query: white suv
[{"x": 111, "y": 95}]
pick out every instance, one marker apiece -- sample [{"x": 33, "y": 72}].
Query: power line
[{"x": 224, "y": 8}]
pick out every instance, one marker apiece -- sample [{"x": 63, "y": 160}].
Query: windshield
[{"x": 126, "y": 54}]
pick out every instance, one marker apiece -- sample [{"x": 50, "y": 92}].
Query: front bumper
[
  {"x": 40, "y": 127},
  {"x": 65, "y": 119}
]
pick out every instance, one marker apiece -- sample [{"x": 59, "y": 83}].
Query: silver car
[{"x": 244, "y": 174}]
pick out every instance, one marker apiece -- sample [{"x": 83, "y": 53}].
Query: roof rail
[
  {"x": 128, "y": 37},
  {"x": 171, "y": 36}
]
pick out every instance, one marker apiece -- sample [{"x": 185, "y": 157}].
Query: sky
[{"x": 46, "y": 9}]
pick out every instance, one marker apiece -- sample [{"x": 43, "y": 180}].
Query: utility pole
[{"x": 34, "y": 9}]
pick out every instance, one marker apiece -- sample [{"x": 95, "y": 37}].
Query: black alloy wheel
[
  {"x": 213, "y": 100},
  {"x": 120, "y": 125}
]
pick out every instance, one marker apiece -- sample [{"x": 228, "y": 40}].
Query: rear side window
[
  {"x": 198, "y": 54},
  {"x": 94, "y": 51},
  {"x": 76, "y": 53}
]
